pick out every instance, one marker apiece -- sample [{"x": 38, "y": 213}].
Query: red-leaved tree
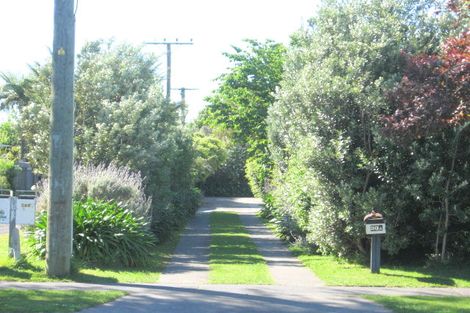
[
  {"x": 433, "y": 99},
  {"x": 434, "y": 93}
]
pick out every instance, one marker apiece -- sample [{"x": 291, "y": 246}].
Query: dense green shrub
[
  {"x": 103, "y": 234},
  {"x": 258, "y": 169},
  {"x": 210, "y": 152},
  {"x": 8, "y": 171},
  {"x": 219, "y": 163},
  {"x": 332, "y": 163},
  {"x": 8, "y": 154},
  {"x": 229, "y": 180},
  {"x": 172, "y": 185}
]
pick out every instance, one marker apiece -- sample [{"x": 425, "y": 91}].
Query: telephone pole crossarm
[{"x": 168, "y": 59}]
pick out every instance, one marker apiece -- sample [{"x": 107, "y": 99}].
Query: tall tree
[
  {"x": 432, "y": 104},
  {"x": 241, "y": 102}
]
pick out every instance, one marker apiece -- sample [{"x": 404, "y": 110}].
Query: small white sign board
[
  {"x": 375, "y": 229},
  {"x": 25, "y": 209},
  {"x": 4, "y": 210}
]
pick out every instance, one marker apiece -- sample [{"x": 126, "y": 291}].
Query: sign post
[
  {"x": 375, "y": 226},
  {"x": 14, "y": 250},
  {"x": 19, "y": 209}
]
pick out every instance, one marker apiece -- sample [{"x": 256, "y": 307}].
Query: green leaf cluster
[
  {"x": 240, "y": 105},
  {"x": 103, "y": 234},
  {"x": 9, "y": 150},
  {"x": 210, "y": 154}
]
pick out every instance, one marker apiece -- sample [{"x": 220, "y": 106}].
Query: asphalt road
[{"x": 184, "y": 288}]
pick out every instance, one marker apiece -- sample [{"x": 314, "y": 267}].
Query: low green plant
[
  {"x": 234, "y": 258},
  {"x": 60, "y": 301},
  {"x": 34, "y": 269},
  {"x": 229, "y": 180},
  {"x": 423, "y": 304},
  {"x": 103, "y": 233}
]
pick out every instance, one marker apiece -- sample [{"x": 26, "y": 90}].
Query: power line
[{"x": 168, "y": 59}]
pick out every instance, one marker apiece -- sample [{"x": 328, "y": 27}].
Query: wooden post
[
  {"x": 14, "y": 250},
  {"x": 168, "y": 62},
  {"x": 59, "y": 234},
  {"x": 168, "y": 72},
  {"x": 375, "y": 254}
]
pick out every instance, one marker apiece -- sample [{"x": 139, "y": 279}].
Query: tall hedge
[{"x": 332, "y": 163}]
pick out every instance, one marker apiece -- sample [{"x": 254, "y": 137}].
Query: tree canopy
[
  {"x": 122, "y": 118},
  {"x": 240, "y": 103}
]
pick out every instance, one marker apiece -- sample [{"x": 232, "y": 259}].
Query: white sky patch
[{"x": 214, "y": 25}]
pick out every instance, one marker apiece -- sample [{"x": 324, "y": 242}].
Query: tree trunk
[
  {"x": 446, "y": 226},
  {"x": 447, "y": 189},
  {"x": 438, "y": 234}
]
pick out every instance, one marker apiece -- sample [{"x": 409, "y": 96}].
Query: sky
[{"x": 213, "y": 25}]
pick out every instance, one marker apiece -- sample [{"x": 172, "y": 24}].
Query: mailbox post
[{"x": 375, "y": 226}]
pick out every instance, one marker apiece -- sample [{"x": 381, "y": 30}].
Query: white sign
[
  {"x": 5, "y": 210},
  {"x": 375, "y": 229},
  {"x": 25, "y": 209}
]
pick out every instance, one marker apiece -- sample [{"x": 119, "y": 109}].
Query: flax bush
[{"x": 104, "y": 233}]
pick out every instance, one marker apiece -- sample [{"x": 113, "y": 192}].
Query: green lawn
[
  {"x": 341, "y": 273},
  {"x": 34, "y": 270},
  {"x": 51, "y": 301},
  {"x": 234, "y": 258},
  {"x": 422, "y": 304}
]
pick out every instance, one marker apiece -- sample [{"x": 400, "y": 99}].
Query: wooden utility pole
[
  {"x": 59, "y": 223},
  {"x": 182, "y": 106},
  {"x": 183, "y": 93},
  {"x": 168, "y": 60}
]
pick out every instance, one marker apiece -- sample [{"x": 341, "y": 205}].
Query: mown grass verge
[
  {"x": 233, "y": 257},
  {"x": 51, "y": 301},
  {"x": 335, "y": 272},
  {"x": 423, "y": 304},
  {"x": 34, "y": 269}
]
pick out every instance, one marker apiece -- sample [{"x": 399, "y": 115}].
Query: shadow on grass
[
  {"x": 24, "y": 264},
  {"x": 7, "y": 272},
  {"x": 442, "y": 274},
  {"x": 234, "y": 259},
  {"x": 89, "y": 278},
  {"x": 438, "y": 280},
  {"x": 406, "y": 274}
]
